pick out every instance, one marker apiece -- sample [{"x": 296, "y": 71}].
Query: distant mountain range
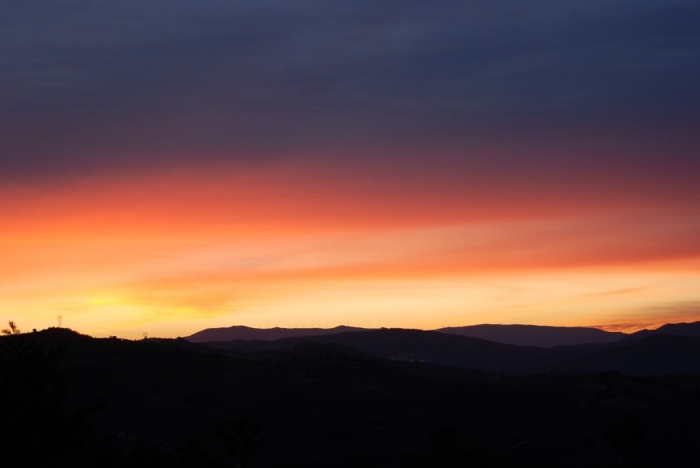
[
  {"x": 674, "y": 348},
  {"x": 354, "y": 398},
  {"x": 533, "y": 335},
  {"x": 523, "y": 335},
  {"x": 678, "y": 329}
]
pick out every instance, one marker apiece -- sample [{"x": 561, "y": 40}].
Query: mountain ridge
[
  {"x": 535, "y": 335},
  {"x": 242, "y": 332},
  {"x": 522, "y": 335},
  {"x": 314, "y": 401},
  {"x": 516, "y": 334},
  {"x": 655, "y": 354}
]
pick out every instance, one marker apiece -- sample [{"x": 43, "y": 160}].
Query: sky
[{"x": 167, "y": 167}]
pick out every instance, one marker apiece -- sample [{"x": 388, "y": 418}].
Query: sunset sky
[{"x": 172, "y": 166}]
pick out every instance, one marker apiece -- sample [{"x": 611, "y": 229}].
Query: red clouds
[{"x": 184, "y": 245}]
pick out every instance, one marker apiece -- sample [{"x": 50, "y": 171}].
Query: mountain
[
  {"x": 523, "y": 335},
  {"x": 671, "y": 349},
  {"x": 238, "y": 332},
  {"x": 651, "y": 355},
  {"x": 678, "y": 329},
  {"x": 314, "y": 402},
  {"x": 413, "y": 346},
  {"x": 532, "y": 335},
  {"x": 657, "y": 354}
]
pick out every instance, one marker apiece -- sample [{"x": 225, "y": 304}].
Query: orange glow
[{"x": 283, "y": 245}]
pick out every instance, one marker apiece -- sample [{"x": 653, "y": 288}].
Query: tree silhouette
[{"x": 12, "y": 329}]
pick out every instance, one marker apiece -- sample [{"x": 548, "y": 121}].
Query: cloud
[{"x": 87, "y": 85}]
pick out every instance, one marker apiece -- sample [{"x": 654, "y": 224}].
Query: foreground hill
[{"x": 170, "y": 403}]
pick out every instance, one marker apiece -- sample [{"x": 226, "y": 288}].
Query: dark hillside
[
  {"x": 531, "y": 335},
  {"x": 677, "y": 329},
  {"x": 263, "y": 334},
  {"x": 167, "y": 403},
  {"x": 654, "y": 355},
  {"x": 412, "y": 346}
]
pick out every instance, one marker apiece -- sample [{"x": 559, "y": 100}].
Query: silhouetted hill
[
  {"x": 523, "y": 335},
  {"x": 264, "y": 334},
  {"x": 321, "y": 403},
  {"x": 654, "y": 355},
  {"x": 412, "y": 345},
  {"x": 532, "y": 335},
  {"x": 678, "y": 329}
]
